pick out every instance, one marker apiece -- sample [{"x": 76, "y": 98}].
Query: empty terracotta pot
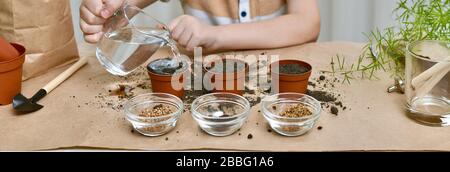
[
  {"x": 7, "y": 51},
  {"x": 288, "y": 82},
  {"x": 232, "y": 82},
  {"x": 11, "y": 76},
  {"x": 163, "y": 83}
]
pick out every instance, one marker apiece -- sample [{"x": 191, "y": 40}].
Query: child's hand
[
  {"x": 191, "y": 32},
  {"x": 93, "y": 14}
]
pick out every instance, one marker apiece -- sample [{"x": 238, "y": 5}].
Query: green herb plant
[{"x": 385, "y": 50}]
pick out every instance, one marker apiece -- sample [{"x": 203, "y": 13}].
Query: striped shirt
[{"x": 222, "y": 12}]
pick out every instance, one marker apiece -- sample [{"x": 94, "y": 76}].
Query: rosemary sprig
[{"x": 385, "y": 50}]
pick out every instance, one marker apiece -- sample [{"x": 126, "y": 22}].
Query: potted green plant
[{"x": 417, "y": 20}]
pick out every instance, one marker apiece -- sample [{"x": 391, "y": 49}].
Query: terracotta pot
[
  {"x": 163, "y": 83},
  {"x": 11, "y": 76},
  {"x": 7, "y": 51},
  {"x": 296, "y": 83},
  {"x": 230, "y": 82}
]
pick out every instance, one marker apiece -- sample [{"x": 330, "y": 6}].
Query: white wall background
[{"x": 342, "y": 20}]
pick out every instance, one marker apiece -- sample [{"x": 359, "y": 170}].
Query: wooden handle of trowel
[{"x": 66, "y": 74}]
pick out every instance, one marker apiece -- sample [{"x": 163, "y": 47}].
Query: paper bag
[{"x": 44, "y": 27}]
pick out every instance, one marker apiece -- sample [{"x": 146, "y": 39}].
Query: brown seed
[
  {"x": 319, "y": 128},
  {"x": 158, "y": 110},
  {"x": 297, "y": 110},
  {"x": 249, "y": 136}
]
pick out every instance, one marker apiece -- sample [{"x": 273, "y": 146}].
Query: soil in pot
[
  {"x": 292, "y": 76},
  {"x": 11, "y": 76},
  {"x": 293, "y": 69},
  {"x": 163, "y": 71},
  {"x": 237, "y": 65},
  {"x": 232, "y": 76}
]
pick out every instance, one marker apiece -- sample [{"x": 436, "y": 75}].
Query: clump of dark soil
[
  {"x": 322, "y": 88},
  {"x": 292, "y": 69},
  {"x": 334, "y": 110},
  {"x": 252, "y": 98},
  {"x": 226, "y": 66},
  {"x": 122, "y": 91},
  {"x": 322, "y": 96},
  {"x": 322, "y": 77},
  {"x": 118, "y": 90}
]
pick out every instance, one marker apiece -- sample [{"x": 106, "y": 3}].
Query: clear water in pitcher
[{"x": 123, "y": 50}]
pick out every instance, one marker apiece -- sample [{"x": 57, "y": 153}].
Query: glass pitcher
[{"x": 131, "y": 38}]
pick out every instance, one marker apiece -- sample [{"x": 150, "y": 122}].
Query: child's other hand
[
  {"x": 93, "y": 14},
  {"x": 190, "y": 32}
]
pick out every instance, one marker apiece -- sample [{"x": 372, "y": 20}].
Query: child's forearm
[{"x": 279, "y": 32}]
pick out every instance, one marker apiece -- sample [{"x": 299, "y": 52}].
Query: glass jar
[{"x": 428, "y": 82}]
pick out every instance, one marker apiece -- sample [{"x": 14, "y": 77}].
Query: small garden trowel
[{"x": 24, "y": 105}]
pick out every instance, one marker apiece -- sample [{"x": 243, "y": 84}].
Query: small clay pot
[
  {"x": 163, "y": 83},
  {"x": 7, "y": 51},
  {"x": 11, "y": 76},
  {"x": 236, "y": 80},
  {"x": 295, "y": 83}
]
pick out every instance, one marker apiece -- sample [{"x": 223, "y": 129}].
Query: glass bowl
[
  {"x": 220, "y": 114},
  {"x": 275, "y": 105},
  {"x": 151, "y": 103}
]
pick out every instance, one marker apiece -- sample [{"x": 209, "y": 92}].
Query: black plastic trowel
[{"x": 24, "y": 105}]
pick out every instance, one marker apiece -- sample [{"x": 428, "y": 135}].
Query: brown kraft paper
[{"x": 44, "y": 28}]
